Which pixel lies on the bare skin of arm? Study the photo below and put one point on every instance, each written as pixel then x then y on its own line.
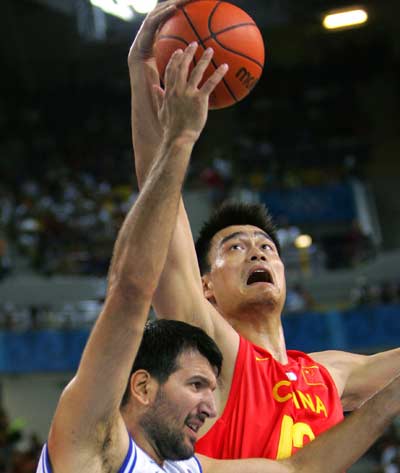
pixel 357 377
pixel 88 432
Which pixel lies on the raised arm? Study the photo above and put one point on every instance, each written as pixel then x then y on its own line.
pixel 87 419
pixel 357 377
pixel 181 279
pixel 179 294
pixel 332 452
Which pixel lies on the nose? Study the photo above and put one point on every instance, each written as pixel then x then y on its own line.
pixel 208 406
pixel 257 255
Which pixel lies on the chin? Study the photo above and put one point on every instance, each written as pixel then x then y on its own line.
pixel 262 301
pixel 185 452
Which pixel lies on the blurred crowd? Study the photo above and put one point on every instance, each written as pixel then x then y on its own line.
pixel 19 452
pixel 67 174
pixel 384 456
pixel 371 294
pixel 64 224
pixel 65 316
pixel 66 184
pixel 298 300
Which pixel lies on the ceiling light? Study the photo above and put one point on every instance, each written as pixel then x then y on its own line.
pixel 345 18
pixel 119 8
pixel 303 241
pixel 143 6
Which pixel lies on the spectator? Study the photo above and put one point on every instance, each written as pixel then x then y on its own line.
pixel 298 299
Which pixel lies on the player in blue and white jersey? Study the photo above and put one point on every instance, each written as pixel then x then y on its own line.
pixel 141 393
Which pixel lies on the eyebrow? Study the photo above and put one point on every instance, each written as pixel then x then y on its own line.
pixel 243 234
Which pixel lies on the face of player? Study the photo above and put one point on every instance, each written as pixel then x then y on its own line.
pixel 246 271
pixel 181 406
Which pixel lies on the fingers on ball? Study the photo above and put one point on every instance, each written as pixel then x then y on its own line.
pixel 200 68
pixel 172 67
pixel 215 78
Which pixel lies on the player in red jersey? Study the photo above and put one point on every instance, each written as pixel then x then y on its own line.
pixel 272 409
pixel 271 401
pixel 279 400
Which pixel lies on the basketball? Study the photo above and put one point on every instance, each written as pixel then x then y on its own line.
pixel 232 34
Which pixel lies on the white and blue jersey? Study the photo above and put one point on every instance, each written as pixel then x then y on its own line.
pixel 136 461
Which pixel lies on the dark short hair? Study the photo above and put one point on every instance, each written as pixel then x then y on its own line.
pixel 162 343
pixel 228 214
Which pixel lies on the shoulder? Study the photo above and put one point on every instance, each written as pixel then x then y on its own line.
pixel 338 360
pixel 340 365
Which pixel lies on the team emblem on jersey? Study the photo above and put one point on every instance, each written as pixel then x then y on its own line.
pixel 312 376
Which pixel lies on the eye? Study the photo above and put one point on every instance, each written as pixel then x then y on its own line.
pixel 267 246
pixel 235 247
pixel 196 385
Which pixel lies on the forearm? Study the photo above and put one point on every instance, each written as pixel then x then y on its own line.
pixel 338 448
pixel 371 375
pixel 139 255
pixel 141 248
pixel 146 131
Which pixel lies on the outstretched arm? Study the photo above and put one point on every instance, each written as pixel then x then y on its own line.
pixel 357 377
pixel 179 294
pixel 181 279
pixel 88 418
pixel 333 451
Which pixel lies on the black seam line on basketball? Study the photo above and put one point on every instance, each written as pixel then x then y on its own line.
pixel 203 46
pixel 214 35
pixel 223 46
pixel 170 36
pixel 238 54
pixel 229 28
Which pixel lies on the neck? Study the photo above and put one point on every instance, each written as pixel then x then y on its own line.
pixel 262 327
pixel 140 437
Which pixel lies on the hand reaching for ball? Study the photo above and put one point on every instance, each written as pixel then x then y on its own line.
pixel 142 47
pixel 229 30
pixel 143 75
pixel 234 37
pixel 183 105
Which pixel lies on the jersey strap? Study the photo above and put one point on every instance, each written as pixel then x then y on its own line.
pixel 44 461
pixel 130 460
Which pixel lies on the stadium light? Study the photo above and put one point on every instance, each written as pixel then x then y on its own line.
pixel 143 6
pixel 119 8
pixel 303 241
pixel 345 18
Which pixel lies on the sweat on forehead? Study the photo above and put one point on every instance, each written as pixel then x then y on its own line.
pixel 231 214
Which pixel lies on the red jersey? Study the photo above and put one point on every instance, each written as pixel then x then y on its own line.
pixel 272 409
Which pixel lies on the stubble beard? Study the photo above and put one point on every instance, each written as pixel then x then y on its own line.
pixel 161 431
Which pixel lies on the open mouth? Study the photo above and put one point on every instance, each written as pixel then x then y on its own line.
pixel 194 427
pixel 259 275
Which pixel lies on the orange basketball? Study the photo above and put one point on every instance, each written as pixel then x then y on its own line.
pixel 232 34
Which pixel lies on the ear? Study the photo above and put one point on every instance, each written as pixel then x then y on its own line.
pixel 208 288
pixel 143 387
